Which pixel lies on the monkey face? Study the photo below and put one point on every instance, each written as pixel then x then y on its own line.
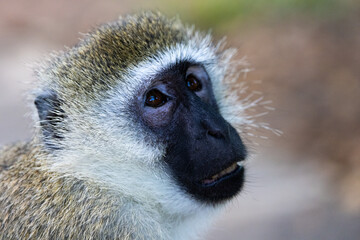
pixel 203 151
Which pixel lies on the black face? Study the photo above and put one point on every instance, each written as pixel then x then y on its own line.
pixel 203 149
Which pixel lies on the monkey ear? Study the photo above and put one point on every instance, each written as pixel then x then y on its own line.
pixel 51 118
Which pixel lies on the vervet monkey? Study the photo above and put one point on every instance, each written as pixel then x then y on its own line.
pixel 133 138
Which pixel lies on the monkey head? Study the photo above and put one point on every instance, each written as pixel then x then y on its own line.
pixel 139 106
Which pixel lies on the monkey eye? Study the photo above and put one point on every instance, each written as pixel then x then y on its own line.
pixel 193 83
pixel 155 98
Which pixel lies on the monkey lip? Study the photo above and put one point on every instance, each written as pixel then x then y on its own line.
pixel 228 172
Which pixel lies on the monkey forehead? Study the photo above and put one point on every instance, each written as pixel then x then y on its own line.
pixel 99 60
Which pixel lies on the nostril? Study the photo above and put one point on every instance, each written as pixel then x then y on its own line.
pixel 215 133
pixel 212 130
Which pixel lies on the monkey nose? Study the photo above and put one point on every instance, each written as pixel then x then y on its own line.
pixel 212 129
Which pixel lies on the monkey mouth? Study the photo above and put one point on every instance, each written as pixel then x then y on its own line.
pixel 226 173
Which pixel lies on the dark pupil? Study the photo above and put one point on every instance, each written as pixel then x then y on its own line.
pixel 193 84
pixel 155 98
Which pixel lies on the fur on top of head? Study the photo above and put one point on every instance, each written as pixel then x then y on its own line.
pixel 100 60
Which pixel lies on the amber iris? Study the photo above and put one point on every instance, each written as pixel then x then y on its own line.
pixel 155 98
pixel 193 83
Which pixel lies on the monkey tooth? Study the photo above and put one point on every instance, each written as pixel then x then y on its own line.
pixel 224 172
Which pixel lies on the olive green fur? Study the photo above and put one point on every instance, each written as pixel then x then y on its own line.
pixel 98 62
pixel 38 204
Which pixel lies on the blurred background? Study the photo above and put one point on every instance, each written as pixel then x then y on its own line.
pixel 304 184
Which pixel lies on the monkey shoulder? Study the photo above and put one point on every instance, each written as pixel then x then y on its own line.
pixel 39 204
pixel 11 154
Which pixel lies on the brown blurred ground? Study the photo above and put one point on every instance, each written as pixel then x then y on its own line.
pixel 302 185
pixel 311 70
